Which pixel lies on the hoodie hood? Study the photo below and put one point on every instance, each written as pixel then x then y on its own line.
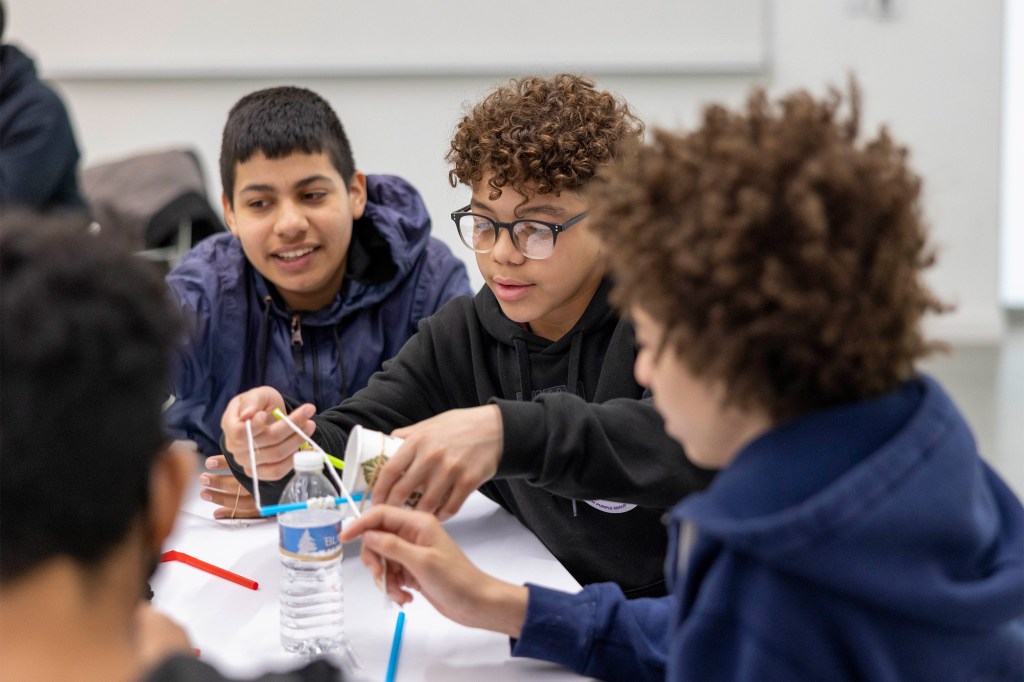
pixel 506 332
pixel 904 517
pixel 598 313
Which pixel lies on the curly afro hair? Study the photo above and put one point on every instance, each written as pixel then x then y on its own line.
pixel 544 135
pixel 781 256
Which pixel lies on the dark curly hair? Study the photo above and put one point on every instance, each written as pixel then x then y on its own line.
pixel 782 257
pixel 552 134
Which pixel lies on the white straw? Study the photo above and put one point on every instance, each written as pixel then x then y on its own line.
pixel 283 417
pixel 252 463
pixel 334 474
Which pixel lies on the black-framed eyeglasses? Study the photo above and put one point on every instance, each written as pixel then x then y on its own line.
pixel 533 238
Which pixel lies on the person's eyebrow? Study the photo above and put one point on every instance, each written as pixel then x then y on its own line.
pixel 545 209
pixel 257 187
pixel 312 179
pixel 304 182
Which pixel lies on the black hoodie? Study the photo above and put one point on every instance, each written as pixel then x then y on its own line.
pixel 38 154
pixel 587 431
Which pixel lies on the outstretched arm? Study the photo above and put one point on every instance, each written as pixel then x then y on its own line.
pixel 421 556
pixel 595 632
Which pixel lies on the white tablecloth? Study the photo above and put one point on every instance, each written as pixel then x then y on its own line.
pixel 237 629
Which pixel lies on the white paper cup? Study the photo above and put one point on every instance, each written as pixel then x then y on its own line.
pixel 364 447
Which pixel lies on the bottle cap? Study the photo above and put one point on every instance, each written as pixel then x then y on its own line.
pixel 308 460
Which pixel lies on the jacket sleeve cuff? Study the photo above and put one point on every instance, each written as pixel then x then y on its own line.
pixel 524 427
pixel 270 491
pixel 558 627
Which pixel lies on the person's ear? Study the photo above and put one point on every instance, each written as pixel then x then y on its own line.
pixel 229 214
pixel 357 194
pixel 172 473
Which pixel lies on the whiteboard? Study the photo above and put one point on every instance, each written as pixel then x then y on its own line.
pixel 259 38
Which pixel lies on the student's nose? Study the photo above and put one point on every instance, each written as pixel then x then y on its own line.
pixel 505 251
pixel 290 220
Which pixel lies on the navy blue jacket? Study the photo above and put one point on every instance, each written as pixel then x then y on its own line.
pixel 38 153
pixel 865 542
pixel 244 336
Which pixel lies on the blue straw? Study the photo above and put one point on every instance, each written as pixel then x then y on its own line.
pixel 396 647
pixel 272 509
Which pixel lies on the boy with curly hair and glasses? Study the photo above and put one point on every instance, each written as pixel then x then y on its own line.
pixel 527 390
pixel 772 265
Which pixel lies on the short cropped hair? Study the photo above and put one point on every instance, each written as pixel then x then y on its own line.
pixel 550 134
pixel 782 256
pixel 86 331
pixel 278 122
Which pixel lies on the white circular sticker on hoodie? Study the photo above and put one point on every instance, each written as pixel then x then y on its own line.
pixel 611 507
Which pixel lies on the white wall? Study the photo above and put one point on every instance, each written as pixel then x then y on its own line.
pixel 933 73
pixel 1012 247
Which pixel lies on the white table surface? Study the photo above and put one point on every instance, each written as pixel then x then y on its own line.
pixel 237 629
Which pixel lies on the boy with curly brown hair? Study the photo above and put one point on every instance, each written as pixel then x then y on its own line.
pixel 772 265
pixel 526 390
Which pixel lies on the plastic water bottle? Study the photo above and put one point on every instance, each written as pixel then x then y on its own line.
pixel 312 600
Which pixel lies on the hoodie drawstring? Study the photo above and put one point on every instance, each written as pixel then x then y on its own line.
pixel 572 382
pixel 318 399
pixel 525 383
pixel 341 363
pixel 264 340
pixel 575 351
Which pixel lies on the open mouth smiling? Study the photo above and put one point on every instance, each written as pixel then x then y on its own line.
pixel 295 254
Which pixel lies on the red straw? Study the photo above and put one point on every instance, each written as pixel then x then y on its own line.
pixel 173 555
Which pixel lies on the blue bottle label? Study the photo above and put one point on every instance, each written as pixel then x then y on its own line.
pixel 317 543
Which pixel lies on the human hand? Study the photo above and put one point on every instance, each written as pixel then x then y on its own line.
pixel 421 556
pixel 223 489
pixel 275 442
pixel 445 457
pixel 157 636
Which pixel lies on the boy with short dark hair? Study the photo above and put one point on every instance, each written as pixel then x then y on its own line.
pixel 324 275
pixel 773 267
pixel 86 333
pixel 526 390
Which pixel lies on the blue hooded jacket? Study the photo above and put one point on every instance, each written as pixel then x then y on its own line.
pixel 244 336
pixel 864 542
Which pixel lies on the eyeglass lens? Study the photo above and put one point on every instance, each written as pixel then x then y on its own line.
pixel 531 239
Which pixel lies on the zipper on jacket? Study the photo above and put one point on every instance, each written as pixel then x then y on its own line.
pixel 296 331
